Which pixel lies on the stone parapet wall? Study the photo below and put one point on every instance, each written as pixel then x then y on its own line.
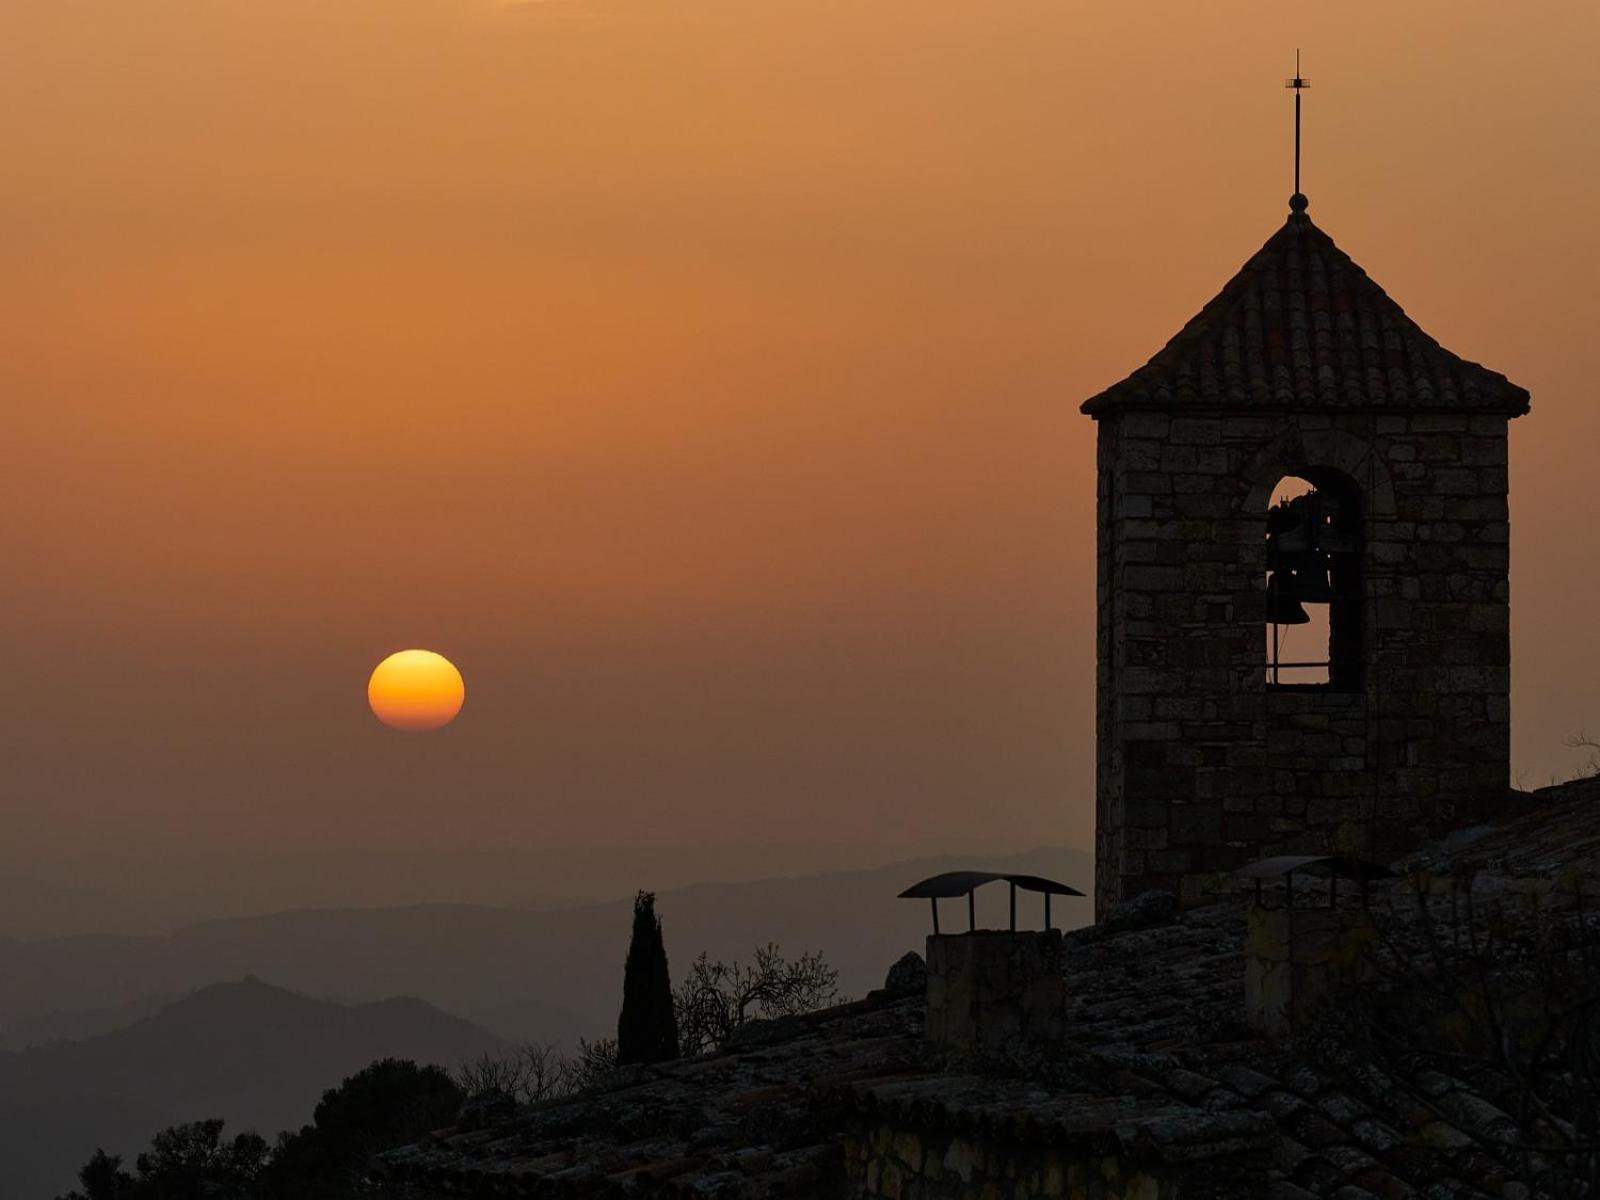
pixel 1202 765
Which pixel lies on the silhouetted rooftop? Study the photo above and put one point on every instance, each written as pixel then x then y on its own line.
pixel 1159 1067
pixel 1302 326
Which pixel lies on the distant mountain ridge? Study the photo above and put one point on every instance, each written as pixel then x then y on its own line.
pixel 258 1055
pixel 73 1025
pixel 156 887
pixel 553 974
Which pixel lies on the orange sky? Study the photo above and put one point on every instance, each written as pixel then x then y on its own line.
pixel 700 376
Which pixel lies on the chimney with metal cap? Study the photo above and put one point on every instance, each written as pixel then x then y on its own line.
pixel 993 994
pixel 1303 952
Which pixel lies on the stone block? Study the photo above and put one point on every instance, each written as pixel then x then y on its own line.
pixel 1168 862
pixel 1152 579
pixel 1151 731
pixel 1140 454
pixel 1481 508
pixel 1246 828
pixel 1145 424
pixel 1441 423
pixel 1179 458
pixel 1190 431
pixel 1205 577
pixel 1456 481
pixel 1152 680
pixel 1147 814
pixel 1136 838
pixel 1213 506
pixel 1144 529
pixel 1161 783
pixel 1195 823
pixel 1484 451
pixel 1149 483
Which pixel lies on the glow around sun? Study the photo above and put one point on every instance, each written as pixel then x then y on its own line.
pixel 416 690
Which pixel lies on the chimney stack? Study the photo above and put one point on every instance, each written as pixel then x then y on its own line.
pixel 1300 957
pixel 1298 960
pixel 992 993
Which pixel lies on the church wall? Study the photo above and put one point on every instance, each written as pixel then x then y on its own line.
pixel 1202 766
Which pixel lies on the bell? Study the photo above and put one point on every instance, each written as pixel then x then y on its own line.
pixel 1287 592
pixel 1285 610
pixel 1283 517
pixel 1290 541
pixel 1305 583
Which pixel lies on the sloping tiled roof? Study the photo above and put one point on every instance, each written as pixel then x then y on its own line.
pixel 1159 1066
pixel 743 1122
pixel 1301 326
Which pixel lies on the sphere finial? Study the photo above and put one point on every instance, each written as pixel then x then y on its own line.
pixel 1298 203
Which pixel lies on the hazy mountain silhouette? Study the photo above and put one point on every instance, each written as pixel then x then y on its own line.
pixel 252 1053
pixel 73 1025
pixel 153 886
pixel 549 974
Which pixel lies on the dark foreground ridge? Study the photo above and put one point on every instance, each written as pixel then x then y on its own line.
pixel 1159 1087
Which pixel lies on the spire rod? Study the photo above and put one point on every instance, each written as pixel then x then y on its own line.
pixel 1298 84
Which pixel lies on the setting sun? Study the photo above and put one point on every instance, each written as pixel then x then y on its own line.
pixel 416 690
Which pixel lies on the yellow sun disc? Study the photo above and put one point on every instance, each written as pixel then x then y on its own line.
pixel 416 690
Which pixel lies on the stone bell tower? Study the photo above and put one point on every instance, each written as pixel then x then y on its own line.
pixel 1303 580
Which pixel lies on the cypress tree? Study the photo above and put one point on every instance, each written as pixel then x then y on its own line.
pixel 647 1030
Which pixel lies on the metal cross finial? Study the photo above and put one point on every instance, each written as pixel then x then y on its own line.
pixel 1298 85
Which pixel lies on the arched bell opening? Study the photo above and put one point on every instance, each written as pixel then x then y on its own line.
pixel 1313 610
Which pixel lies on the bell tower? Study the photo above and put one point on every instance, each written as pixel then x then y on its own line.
pixel 1303 595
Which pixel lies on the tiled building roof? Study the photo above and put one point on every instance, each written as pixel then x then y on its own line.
pixel 744 1122
pixel 1158 1069
pixel 1301 326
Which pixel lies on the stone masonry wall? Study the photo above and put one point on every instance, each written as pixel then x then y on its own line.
pixel 902 1164
pixel 1201 765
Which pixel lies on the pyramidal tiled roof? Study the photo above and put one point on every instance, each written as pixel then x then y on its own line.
pixel 1301 326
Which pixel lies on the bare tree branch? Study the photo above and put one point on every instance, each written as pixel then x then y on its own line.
pixel 717 997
